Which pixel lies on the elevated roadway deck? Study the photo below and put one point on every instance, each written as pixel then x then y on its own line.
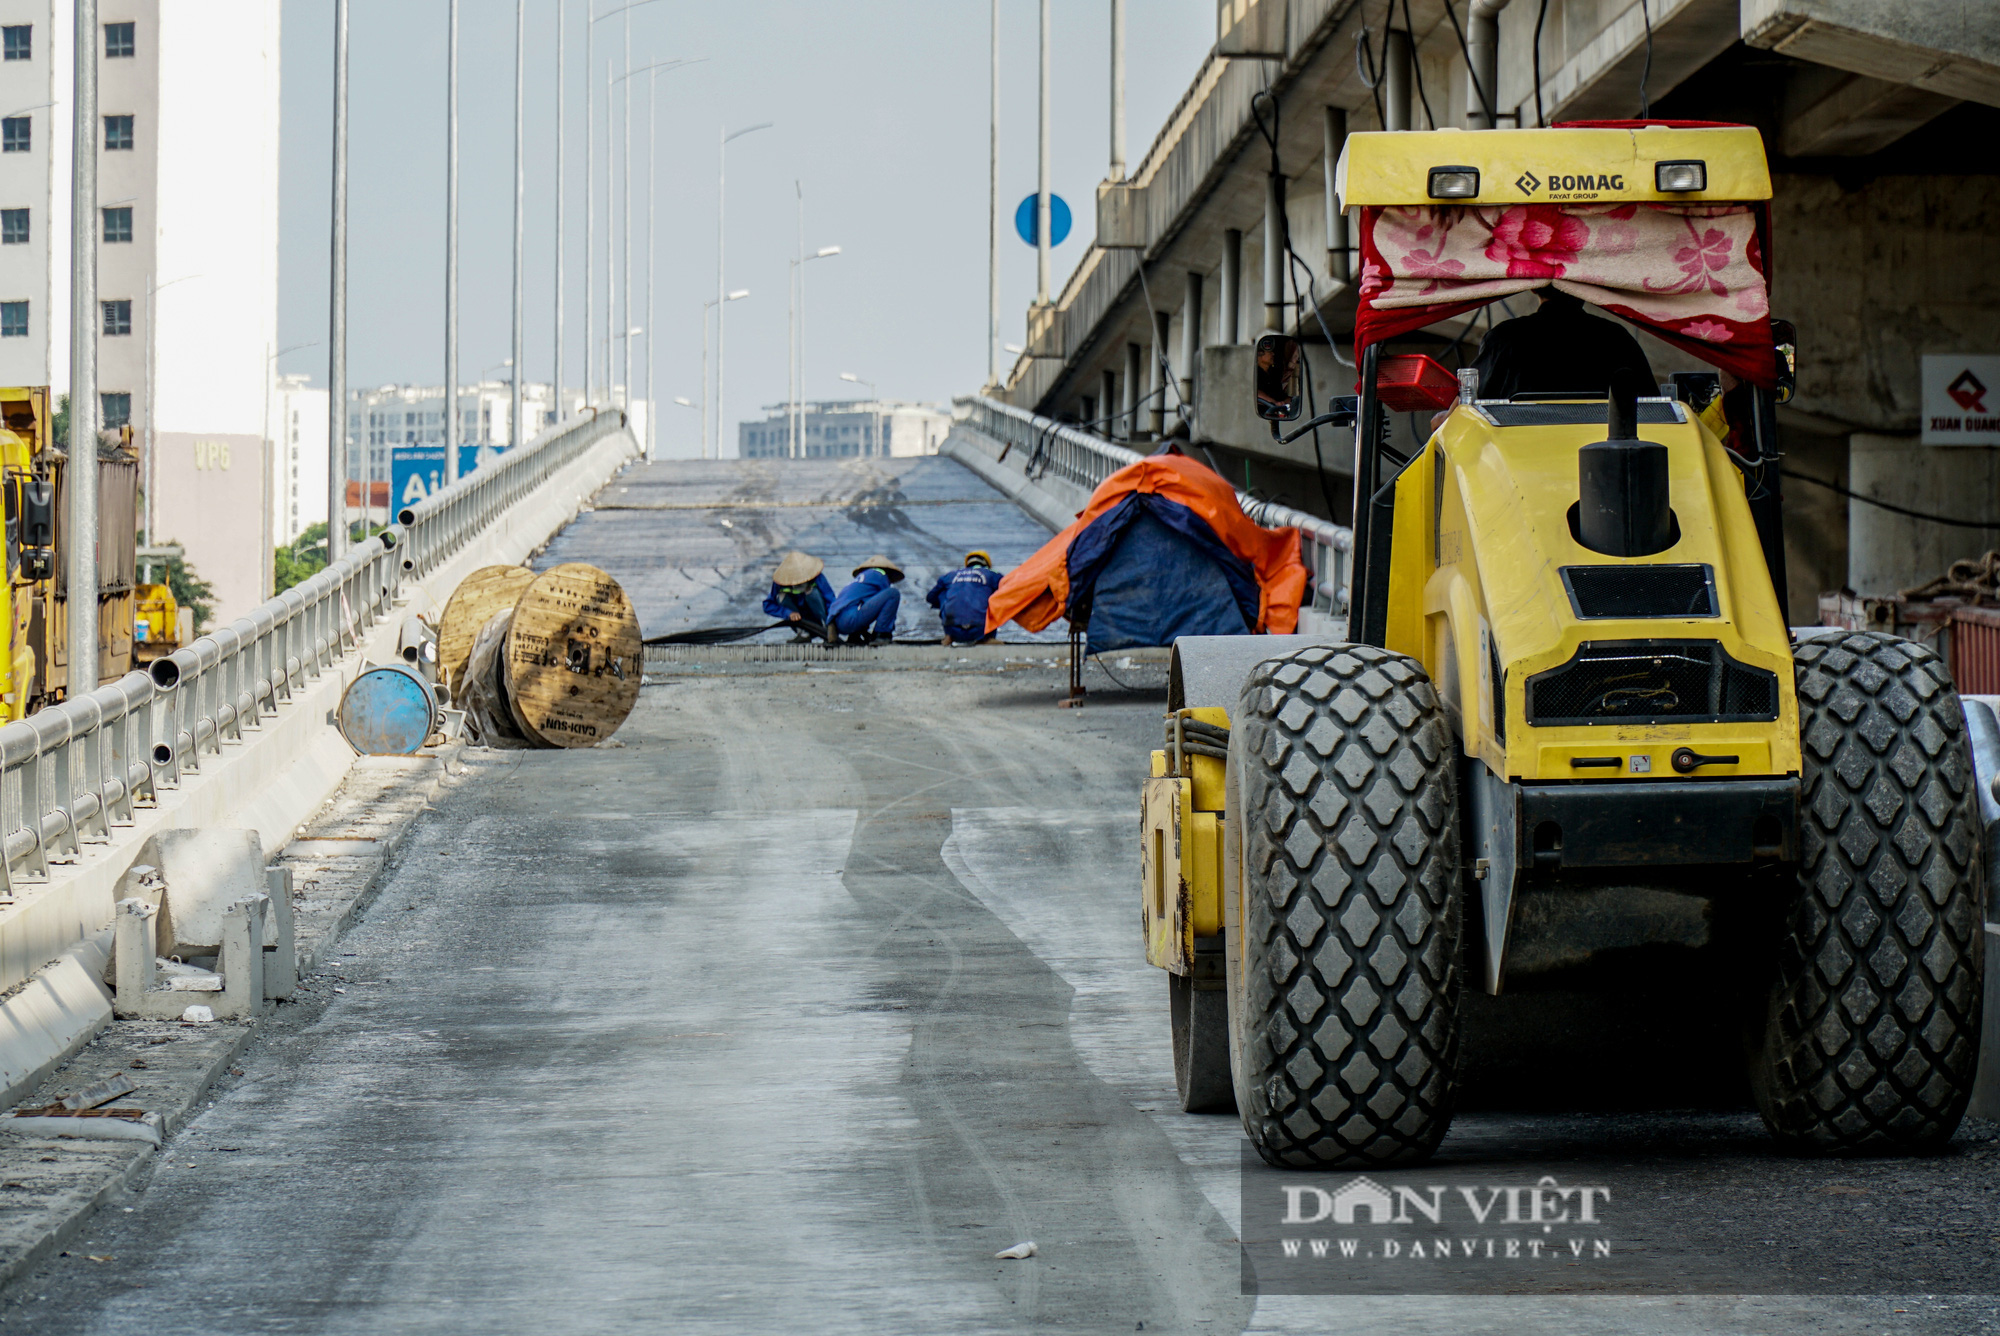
pixel 694 541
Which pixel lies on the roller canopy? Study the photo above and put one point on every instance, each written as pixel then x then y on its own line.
pixel 1576 209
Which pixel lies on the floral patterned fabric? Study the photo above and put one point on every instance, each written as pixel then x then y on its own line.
pixel 1693 275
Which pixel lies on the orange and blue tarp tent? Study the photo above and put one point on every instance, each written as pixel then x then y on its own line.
pixel 1162 550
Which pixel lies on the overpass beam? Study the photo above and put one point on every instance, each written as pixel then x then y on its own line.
pixel 1135 360
pixel 1396 82
pixel 1162 327
pixel 1229 302
pixel 1335 136
pixel 1274 252
pixel 1482 67
pixel 1190 335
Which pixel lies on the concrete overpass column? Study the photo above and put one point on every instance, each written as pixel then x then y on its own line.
pixel 1162 340
pixel 1274 252
pixel 1336 221
pixel 1482 66
pixel 1230 304
pixel 1135 360
pixel 1396 83
pixel 1190 335
pixel 1108 403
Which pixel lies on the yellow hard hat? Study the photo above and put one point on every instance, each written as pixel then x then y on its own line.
pixel 983 558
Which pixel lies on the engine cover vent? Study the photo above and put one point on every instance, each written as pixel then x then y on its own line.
pixel 1641 591
pixel 1651 682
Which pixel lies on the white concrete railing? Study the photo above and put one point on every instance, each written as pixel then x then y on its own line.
pixel 70 772
pixel 1049 448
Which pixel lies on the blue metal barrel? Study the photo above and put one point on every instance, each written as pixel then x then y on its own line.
pixel 387 711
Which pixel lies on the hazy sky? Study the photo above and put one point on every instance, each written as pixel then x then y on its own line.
pixel 880 112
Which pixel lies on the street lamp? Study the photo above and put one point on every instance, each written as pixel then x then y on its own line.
pixel 875 400
pixel 652 136
pixel 590 183
pixel 713 304
pixel 721 156
pixel 795 408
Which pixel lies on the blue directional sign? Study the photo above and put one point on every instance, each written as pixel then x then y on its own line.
pixel 415 471
pixel 1024 220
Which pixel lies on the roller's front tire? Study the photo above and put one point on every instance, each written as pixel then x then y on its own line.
pixel 1344 772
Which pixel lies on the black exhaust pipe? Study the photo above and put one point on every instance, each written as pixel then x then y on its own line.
pixel 1622 502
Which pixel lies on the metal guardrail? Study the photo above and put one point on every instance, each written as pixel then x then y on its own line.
pixel 70 772
pixel 1051 448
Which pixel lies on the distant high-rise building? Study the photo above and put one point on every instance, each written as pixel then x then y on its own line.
pixel 397 433
pixel 187 254
pixel 298 478
pixel 848 429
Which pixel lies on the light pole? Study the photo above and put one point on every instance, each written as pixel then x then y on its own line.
pixel 520 209
pixel 652 73
pixel 336 354
pixel 993 215
pixel 713 304
pixel 689 403
pixel 875 409
pixel 1042 240
pixel 795 409
pixel 721 157
pixel 562 22
pixel 590 184
pixel 450 246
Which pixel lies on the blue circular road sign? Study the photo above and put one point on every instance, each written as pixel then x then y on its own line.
pixel 1024 220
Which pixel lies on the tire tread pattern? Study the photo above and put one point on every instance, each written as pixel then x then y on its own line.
pixel 1871 1039
pixel 1352 910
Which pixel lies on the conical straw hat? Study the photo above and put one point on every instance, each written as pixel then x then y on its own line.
pixel 889 567
pixel 798 568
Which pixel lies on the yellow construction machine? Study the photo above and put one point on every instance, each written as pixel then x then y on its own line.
pixel 36 655
pixel 1567 672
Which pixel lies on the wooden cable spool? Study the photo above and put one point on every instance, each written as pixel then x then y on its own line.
pixel 572 662
pixel 480 596
pixel 480 692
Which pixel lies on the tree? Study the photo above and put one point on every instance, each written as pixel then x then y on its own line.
pixel 190 590
pixel 300 559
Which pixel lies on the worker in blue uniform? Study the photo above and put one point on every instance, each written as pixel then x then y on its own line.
pixel 960 597
pixel 800 595
pixel 865 611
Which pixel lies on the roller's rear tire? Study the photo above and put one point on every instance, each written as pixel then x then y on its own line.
pixel 1350 975
pixel 1201 1045
pixel 1870 1034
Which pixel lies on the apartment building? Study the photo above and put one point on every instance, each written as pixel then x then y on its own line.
pixel 187 254
pixel 847 429
pixel 396 434
pixel 298 474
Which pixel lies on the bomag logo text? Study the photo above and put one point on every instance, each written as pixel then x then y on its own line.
pixel 1586 183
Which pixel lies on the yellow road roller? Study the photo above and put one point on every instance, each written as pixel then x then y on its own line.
pixel 1567 671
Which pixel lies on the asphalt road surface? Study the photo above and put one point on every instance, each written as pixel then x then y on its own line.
pixel 694 542
pixel 788 1014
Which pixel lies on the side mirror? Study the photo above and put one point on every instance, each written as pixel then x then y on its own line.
pixel 1280 370
pixel 38 513
pixel 1785 338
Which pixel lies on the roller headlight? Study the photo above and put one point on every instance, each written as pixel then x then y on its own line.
pixel 1678 178
pixel 1454 182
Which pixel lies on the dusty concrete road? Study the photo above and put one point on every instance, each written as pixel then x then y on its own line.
pixel 785 1016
